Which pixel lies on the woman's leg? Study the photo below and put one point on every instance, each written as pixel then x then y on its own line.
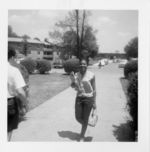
pixel 86 113
pixel 79 111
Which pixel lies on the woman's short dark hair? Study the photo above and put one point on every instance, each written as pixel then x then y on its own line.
pixel 11 52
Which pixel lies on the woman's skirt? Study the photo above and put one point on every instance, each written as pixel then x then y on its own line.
pixel 83 107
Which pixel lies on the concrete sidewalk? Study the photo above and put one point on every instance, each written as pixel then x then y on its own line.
pixel 54 120
pixel 49 120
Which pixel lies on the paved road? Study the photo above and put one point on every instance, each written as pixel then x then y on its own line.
pixel 54 120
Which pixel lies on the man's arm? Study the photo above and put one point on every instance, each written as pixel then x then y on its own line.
pixel 20 84
pixel 22 95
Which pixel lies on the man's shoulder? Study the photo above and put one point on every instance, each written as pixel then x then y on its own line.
pixel 13 69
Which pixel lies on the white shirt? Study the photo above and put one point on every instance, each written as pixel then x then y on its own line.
pixel 15 81
pixel 87 77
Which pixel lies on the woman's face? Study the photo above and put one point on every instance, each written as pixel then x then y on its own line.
pixel 83 66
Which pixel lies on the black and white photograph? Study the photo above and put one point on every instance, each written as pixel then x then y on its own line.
pixel 72 75
pixel 75 76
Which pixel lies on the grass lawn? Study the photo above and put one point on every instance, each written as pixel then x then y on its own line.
pixel 44 87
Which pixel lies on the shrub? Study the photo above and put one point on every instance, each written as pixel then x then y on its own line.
pixel 71 65
pixel 130 68
pixel 133 100
pixel 131 49
pixel 29 64
pixel 43 66
pixel 24 73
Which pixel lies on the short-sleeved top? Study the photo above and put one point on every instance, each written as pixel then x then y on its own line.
pixel 87 78
pixel 14 81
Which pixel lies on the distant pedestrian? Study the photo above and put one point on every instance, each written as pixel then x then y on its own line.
pixel 15 84
pixel 86 96
pixel 99 65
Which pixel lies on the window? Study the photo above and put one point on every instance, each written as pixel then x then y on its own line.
pixel 48 53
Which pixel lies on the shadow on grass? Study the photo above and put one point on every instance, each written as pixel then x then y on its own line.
pixel 66 74
pixel 73 136
pixel 124 132
pixel 22 119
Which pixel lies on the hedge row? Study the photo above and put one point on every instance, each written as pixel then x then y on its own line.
pixel 31 65
pixel 130 67
pixel 43 66
pixel 133 100
pixel 131 73
pixel 71 65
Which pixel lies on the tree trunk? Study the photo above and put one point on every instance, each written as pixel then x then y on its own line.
pixel 77 28
pixel 82 31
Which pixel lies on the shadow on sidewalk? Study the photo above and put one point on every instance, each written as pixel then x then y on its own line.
pixel 73 136
pixel 124 133
pixel 124 83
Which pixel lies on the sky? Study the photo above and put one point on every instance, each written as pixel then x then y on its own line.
pixel 115 28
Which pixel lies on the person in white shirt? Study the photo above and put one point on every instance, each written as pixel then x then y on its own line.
pixel 85 101
pixel 15 83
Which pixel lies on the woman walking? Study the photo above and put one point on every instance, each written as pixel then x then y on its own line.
pixel 86 96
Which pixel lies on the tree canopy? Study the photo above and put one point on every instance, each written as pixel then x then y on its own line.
pixel 36 38
pixel 26 37
pixel 77 35
pixel 11 33
pixel 131 49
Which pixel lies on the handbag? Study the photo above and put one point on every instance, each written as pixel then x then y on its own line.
pixel 93 118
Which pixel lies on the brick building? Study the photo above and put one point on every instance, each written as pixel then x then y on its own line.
pixel 36 49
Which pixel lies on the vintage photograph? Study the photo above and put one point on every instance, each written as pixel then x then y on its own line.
pixel 72 75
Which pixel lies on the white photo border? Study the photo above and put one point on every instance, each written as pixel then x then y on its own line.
pixel 143 7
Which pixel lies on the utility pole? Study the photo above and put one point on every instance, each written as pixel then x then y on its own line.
pixel 77 28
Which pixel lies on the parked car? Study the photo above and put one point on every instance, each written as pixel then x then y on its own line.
pixel 122 63
pixel 58 64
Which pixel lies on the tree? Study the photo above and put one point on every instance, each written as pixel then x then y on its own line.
pixel 25 44
pixel 78 34
pixel 69 43
pixel 36 38
pixel 11 33
pixel 55 35
pixel 89 42
pixel 26 37
pixel 131 49
pixel 46 40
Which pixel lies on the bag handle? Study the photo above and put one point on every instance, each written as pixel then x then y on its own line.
pixel 94 111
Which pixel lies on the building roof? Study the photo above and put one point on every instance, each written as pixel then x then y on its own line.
pixel 55 41
pixel 51 41
pixel 14 39
pixel 34 41
pixel 46 43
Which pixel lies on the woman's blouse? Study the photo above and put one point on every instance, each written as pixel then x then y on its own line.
pixel 86 81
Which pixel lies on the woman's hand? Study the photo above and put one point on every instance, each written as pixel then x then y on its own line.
pixel 73 85
pixel 83 94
